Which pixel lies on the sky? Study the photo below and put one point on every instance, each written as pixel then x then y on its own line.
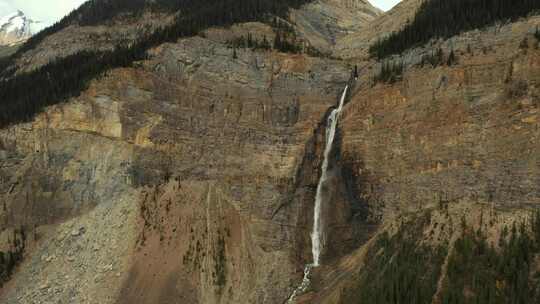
pixel 382 4
pixel 50 11
pixel 46 11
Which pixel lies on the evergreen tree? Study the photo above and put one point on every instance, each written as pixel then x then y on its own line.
pixel 451 59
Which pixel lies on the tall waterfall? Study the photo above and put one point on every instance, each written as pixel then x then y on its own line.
pixel 317 235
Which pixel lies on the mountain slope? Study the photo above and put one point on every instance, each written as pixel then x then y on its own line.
pixel 211 157
pixel 356 44
pixel 324 22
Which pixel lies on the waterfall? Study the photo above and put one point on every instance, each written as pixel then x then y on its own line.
pixel 317 234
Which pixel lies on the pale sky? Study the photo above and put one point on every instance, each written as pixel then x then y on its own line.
pixel 382 4
pixel 49 11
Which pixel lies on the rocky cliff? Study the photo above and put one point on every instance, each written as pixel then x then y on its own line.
pixel 459 142
pixel 190 177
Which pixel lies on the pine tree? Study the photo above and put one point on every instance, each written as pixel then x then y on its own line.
pixel 451 59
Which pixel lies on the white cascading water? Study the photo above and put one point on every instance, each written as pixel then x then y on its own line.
pixel 317 235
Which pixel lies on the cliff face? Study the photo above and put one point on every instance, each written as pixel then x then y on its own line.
pixel 207 162
pixel 474 123
pixel 459 142
pixel 190 178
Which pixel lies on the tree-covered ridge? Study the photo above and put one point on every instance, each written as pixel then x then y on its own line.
pixel 444 19
pixel 67 77
pixel 403 268
pixel 400 269
pixel 481 273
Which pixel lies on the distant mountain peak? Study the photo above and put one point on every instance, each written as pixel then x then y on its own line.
pixel 15 28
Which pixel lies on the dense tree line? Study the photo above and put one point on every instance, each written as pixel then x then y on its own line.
pixel 482 274
pixel 67 77
pixel 404 269
pixel 392 70
pixel 285 40
pixel 249 42
pixel 400 269
pixel 443 19
pixel 27 94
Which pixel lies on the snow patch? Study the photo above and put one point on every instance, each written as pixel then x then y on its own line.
pixel 15 28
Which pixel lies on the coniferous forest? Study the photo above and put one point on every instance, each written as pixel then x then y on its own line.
pixel 399 269
pixel 501 274
pixel 67 77
pixel 444 19
pixel 403 269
